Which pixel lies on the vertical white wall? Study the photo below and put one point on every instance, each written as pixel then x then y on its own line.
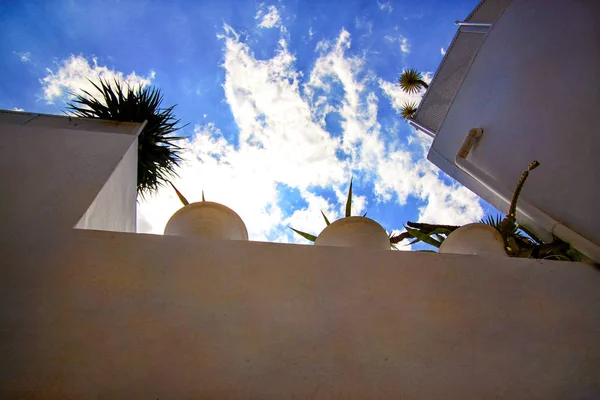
pixel 114 208
pixel 534 89
pixel 53 168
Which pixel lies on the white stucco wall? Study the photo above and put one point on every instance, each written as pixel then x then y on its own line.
pixel 110 315
pixel 114 208
pixel 115 315
pixel 51 161
pixel 533 88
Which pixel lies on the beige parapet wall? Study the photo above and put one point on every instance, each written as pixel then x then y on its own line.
pixel 89 314
pixel 104 315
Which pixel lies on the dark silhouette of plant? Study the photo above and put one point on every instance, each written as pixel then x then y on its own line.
pixel 411 81
pixel 408 110
pixel 158 153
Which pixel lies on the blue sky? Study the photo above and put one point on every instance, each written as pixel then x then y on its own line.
pixel 285 100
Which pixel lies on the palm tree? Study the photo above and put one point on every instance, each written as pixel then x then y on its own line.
pixel 408 110
pixel 158 154
pixel 411 81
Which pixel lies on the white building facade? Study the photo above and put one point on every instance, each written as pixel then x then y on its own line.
pixel 526 73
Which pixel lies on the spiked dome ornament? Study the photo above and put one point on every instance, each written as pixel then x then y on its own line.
pixel 205 219
pixel 350 231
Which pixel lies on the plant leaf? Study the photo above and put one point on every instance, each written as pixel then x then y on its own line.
pixel 493 221
pixel 203 199
pixel 349 201
pixel 364 215
pixel 181 197
pixel 305 235
pixel 440 231
pixel 326 220
pixel 423 237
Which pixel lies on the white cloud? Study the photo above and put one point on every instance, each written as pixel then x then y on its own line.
pixel 72 74
pixel 443 51
pixel 283 144
pixel 23 56
pixel 358 107
pixel 269 17
pixel 404 46
pixel 405 174
pixel 275 120
pixel 385 6
pixel 363 24
pixel 17 109
pixel 401 40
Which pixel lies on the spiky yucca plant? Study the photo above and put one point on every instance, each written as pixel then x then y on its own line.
pixel 158 153
pixel 408 110
pixel 411 81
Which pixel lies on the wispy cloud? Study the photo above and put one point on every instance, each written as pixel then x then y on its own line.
pixel 358 108
pixel 385 6
pixel 363 24
pixel 72 74
pixel 404 46
pixel 401 40
pixel 23 56
pixel 405 173
pixel 268 17
pixel 443 51
pixel 17 109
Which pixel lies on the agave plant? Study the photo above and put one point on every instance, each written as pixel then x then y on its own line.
pixel 312 238
pixel 411 81
pixel 158 153
pixel 432 234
